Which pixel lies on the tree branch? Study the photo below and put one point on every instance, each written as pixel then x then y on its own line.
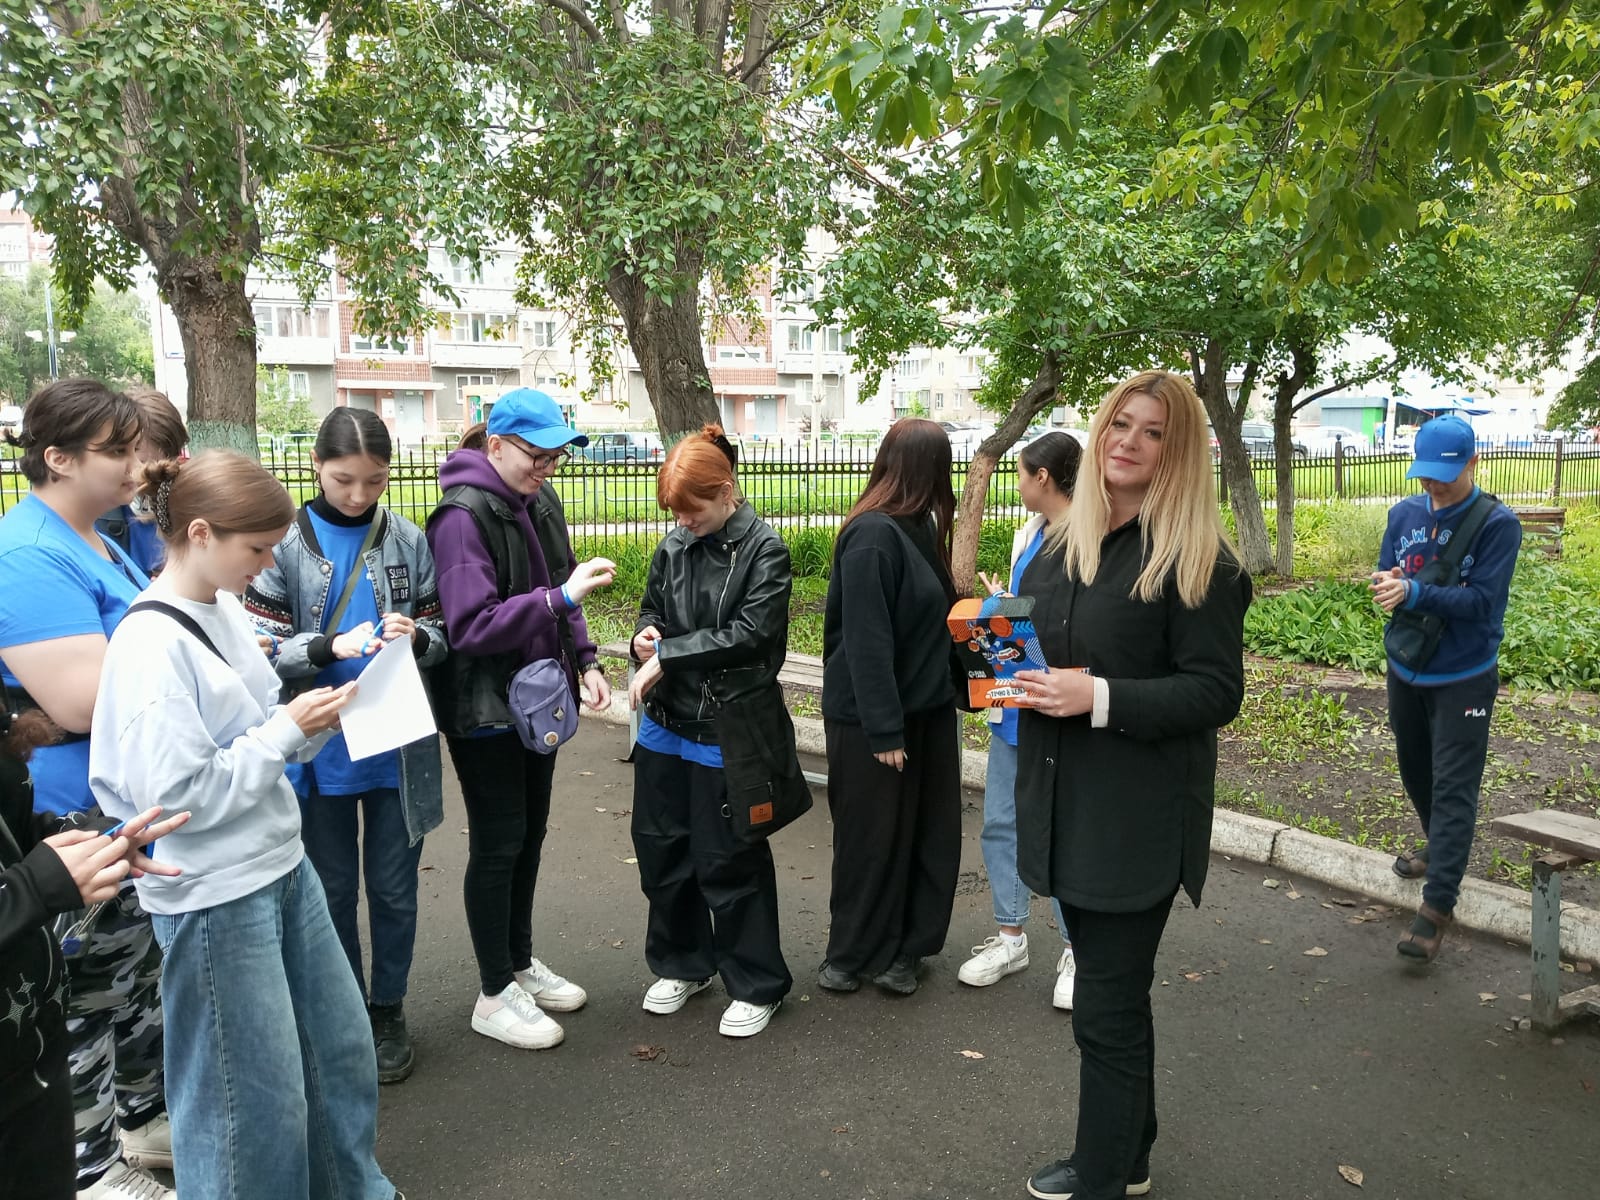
pixel 579 17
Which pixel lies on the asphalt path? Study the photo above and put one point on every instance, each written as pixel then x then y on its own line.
pixel 1276 1067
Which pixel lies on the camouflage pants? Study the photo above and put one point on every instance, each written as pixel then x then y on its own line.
pixel 114 1032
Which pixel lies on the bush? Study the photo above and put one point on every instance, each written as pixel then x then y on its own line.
pixel 810 550
pixel 1333 622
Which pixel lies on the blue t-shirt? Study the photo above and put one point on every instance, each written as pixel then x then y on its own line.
pixel 332 773
pixel 664 741
pixel 145 546
pixel 53 585
pixel 1006 730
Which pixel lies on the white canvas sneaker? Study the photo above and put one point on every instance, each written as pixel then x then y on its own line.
pixel 512 1017
pixel 125 1182
pixel 669 995
pixel 993 961
pixel 1066 979
pixel 553 993
pixel 743 1019
pixel 150 1145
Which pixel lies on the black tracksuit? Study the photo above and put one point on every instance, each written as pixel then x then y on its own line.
pixel 36 1139
pixel 886 685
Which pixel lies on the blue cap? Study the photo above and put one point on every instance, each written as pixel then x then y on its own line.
pixel 1443 447
pixel 535 418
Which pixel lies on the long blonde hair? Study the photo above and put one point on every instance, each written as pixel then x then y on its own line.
pixel 1179 525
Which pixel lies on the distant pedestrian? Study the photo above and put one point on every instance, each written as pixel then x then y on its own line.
pixel 512 596
pixel 349 576
pixel 713 631
pixel 888 708
pixel 1444 576
pixel 1139 603
pixel 1047 471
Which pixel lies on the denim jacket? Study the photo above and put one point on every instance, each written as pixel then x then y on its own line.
pixel 291 596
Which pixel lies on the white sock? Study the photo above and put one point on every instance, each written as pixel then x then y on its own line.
pixel 1012 939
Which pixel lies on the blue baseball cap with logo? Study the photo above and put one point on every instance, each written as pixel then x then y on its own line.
pixel 1444 446
pixel 535 418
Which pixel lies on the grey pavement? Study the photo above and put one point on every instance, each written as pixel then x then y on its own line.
pixel 1275 1068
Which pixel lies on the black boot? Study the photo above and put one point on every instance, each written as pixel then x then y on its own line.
pixel 901 977
pixel 396 1058
pixel 835 980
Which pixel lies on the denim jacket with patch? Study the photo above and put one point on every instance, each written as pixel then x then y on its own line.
pixel 288 601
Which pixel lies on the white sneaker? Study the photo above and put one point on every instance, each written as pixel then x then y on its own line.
pixel 512 1017
pixel 993 961
pixel 125 1182
pixel 551 991
pixel 1066 979
pixel 743 1019
pixel 150 1145
pixel 669 995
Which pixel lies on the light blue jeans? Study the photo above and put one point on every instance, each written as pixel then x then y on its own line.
pixel 1012 897
pixel 272 1083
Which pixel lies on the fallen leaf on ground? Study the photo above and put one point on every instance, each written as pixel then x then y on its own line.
pixel 648 1053
pixel 1263 941
pixel 585 772
pixel 616 945
pixel 1351 1174
pixel 597 808
pixel 1342 902
pixel 630 861
pixel 1487 997
pixel 1193 976
pixel 1315 952
pixel 841 1129
pixel 971 1054
pixel 808 877
pixel 1270 883
pixel 1292 894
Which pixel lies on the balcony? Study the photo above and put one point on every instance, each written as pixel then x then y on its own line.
pixel 494 356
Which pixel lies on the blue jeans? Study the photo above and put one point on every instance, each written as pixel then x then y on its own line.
pixel 1012 898
pixel 272 1087
pixel 342 854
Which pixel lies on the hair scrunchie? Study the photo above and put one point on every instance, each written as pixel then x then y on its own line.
pixel 163 494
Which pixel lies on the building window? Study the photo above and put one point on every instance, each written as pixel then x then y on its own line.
pixel 740 354
pixel 290 320
pixel 833 339
pixel 541 334
pixel 909 367
pixel 474 328
pixel 300 384
pixel 938 399
pixel 367 343
pixel 473 385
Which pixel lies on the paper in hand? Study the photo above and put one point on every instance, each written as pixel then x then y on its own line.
pixel 390 708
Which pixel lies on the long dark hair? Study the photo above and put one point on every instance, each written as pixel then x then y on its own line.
pixel 911 478
pixel 353 431
pixel 1056 453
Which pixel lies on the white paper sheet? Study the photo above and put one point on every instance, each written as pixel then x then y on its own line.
pixel 390 709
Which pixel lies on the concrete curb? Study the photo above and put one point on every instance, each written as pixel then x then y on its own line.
pixel 1487 907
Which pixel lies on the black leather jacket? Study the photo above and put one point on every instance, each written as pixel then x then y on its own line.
pixel 721 604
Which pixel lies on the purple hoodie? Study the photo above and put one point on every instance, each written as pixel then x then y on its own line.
pixel 476 619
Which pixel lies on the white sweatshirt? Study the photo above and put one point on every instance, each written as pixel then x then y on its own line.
pixel 176 726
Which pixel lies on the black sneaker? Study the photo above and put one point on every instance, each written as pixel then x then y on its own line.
pixel 901 977
pixel 396 1058
pixel 1059 1181
pixel 835 980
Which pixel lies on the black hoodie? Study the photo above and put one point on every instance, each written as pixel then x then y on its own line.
pixel 34 887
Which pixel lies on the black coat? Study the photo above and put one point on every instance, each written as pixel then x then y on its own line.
pixel 886 647
pixel 721 604
pixel 34 887
pixel 1116 819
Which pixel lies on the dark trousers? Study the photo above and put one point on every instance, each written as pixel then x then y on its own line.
pixel 1441 738
pixel 896 844
pixel 506 787
pixel 1111 1022
pixel 713 900
pixel 36 1141
pixel 346 838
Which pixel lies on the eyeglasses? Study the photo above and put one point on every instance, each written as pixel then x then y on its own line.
pixel 545 463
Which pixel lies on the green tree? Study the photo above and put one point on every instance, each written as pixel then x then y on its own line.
pixel 278 409
pixel 210 139
pixel 110 341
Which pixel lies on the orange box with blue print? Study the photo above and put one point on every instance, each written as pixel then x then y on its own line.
pixel 994 640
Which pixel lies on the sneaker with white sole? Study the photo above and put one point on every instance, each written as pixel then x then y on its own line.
pixel 743 1019
pixel 669 995
pixel 150 1145
pixel 993 961
pixel 553 993
pixel 1066 980
pixel 126 1182
pixel 512 1017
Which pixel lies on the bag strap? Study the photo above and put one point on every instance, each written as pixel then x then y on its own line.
pixel 331 625
pixel 549 523
pixel 510 554
pixel 182 618
pixel 1466 532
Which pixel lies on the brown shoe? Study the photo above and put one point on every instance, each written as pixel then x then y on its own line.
pixel 1413 864
pixel 1421 942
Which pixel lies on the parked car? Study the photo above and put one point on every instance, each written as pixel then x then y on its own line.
pixel 1322 439
pixel 624 447
pixel 1258 440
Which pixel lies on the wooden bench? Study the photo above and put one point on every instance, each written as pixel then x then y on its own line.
pixel 1542 527
pixel 800 671
pixel 1572 841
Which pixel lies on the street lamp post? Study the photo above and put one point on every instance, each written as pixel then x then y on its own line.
pixel 48 335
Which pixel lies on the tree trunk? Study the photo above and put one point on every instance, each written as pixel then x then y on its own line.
pixel 666 338
pixel 219 344
pixel 1283 445
pixel 1211 378
pixel 1040 394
